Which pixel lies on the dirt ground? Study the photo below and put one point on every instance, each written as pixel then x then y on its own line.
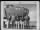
pixel 32 23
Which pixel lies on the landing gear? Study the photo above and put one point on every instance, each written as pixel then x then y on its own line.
pixel 24 22
pixel 27 22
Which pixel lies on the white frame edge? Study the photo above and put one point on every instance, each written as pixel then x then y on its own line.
pixel 2 14
pixel 37 15
pixel 37 3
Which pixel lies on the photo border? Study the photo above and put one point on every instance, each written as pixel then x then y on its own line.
pixel 32 2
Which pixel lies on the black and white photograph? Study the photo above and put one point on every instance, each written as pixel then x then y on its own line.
pixel 20 15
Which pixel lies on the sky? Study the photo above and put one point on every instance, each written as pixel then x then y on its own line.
pixel 32 10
